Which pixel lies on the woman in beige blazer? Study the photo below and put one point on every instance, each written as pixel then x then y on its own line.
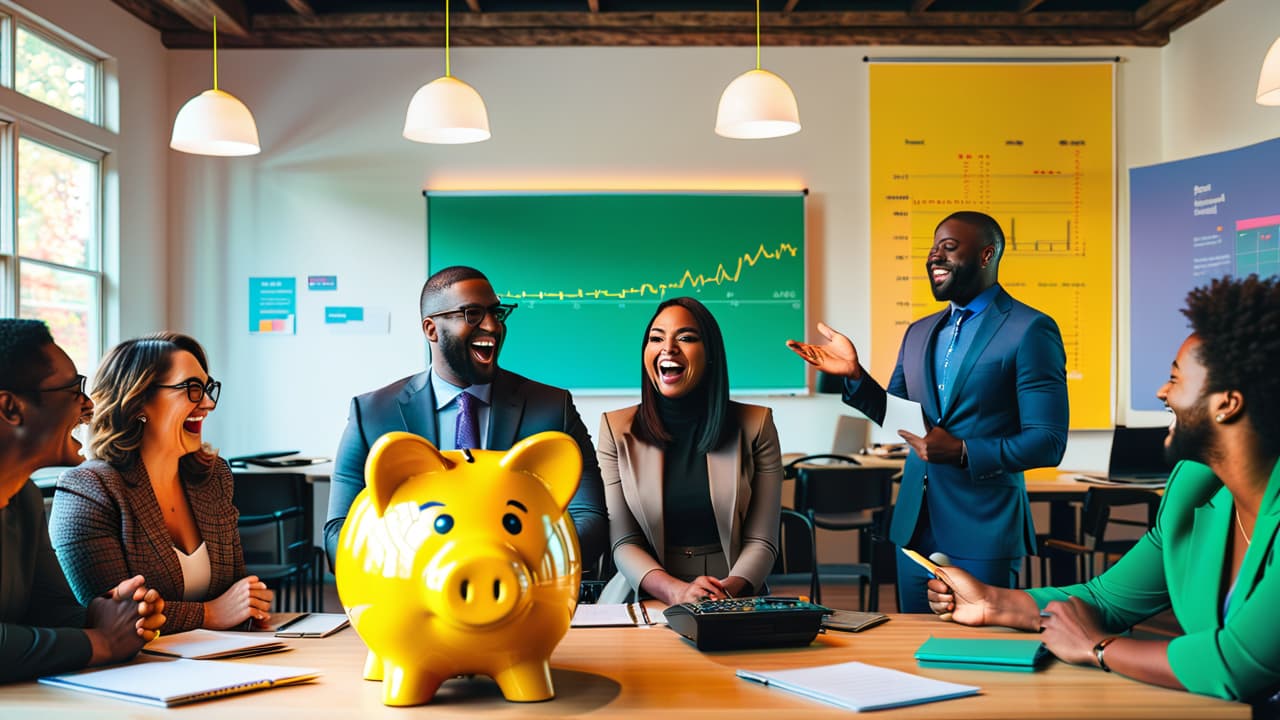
pixel 692 480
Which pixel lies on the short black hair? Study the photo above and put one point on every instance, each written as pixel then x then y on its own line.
pixel 717 427
pixel 442 280
pixel 23 364
pixel 992 234
pixel 1238 323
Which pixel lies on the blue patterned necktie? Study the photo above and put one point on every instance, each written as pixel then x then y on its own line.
pixel 944 382
pixel 467 435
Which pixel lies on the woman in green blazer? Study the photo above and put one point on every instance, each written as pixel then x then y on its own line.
pixel 1211 555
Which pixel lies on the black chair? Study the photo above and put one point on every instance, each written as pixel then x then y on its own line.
pixel 278 538
pixel 797 561
pixel 843 495
pixel 1096 520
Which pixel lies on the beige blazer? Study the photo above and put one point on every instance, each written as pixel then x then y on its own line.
pixel 746 486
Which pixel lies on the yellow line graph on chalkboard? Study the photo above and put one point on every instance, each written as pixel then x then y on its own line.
pixel 687 280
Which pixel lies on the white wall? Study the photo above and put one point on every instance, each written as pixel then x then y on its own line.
pixel 136 169
pixel 338 191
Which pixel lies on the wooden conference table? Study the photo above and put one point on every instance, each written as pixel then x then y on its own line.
pixel 652 672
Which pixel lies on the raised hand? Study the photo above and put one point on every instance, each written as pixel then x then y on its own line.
pixel 247 598
pixel 837 357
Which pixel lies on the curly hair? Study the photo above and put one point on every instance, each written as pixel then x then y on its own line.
pixel 23 364
pixel 1238 323
pixel 124 383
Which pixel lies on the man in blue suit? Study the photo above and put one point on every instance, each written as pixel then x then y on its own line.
pixel 466 401
pixel 990 374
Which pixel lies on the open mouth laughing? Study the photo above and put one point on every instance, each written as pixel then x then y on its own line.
pixel 484 350
pixel 671 371
pixel 194 423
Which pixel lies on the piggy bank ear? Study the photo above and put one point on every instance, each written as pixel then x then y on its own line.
pixel 394 458
pixel 553 458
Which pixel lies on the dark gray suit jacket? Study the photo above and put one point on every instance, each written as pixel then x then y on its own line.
pixel 520 408
pixel 1009 405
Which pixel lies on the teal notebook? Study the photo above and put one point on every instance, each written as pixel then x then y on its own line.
pixel 981 654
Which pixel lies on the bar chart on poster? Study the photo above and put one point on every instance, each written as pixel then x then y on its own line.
pixel 587 271
pixel 1032 146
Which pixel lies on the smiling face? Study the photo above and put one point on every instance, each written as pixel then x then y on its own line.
pixel 462 354
pixel 1191 431
pixel 956 262
pixel 174 423
pixel 674 357
pixel 59 411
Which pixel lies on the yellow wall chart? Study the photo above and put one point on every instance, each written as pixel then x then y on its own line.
pixel 1029 144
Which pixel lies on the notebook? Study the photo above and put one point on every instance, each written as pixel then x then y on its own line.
pixel 610 615
pixel 981 654
pixel 858 686
pixel 852 620
pixel 168 682
pixel 201 644
pixel 313 625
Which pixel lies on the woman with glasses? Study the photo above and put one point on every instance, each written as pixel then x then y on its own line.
pixel 156 499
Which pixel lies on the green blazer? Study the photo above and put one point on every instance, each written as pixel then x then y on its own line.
pixel 1179 563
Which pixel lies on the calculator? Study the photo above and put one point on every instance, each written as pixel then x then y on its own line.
pixel 743 623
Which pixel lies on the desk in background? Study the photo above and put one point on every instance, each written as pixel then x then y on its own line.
pixel 652 672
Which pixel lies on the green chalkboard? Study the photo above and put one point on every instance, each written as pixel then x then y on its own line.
pixel 588 270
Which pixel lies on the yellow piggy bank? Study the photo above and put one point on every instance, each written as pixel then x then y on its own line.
pixel 462 562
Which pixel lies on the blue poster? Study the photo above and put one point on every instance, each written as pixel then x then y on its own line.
pixel 1192 221
pixel 273 305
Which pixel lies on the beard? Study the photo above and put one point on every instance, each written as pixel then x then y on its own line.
pixel 457 355
pixel 1191 439
pixel 962 276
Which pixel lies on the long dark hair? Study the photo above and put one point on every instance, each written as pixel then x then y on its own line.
pixel 717 427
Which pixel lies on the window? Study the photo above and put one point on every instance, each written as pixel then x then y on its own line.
pixel 51 182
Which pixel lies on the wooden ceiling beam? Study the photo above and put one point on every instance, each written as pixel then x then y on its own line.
pixel 1026 6
pixel 462 37
pixel 302 7
pixel 1169 15
pixel 919 6
pixel 233 17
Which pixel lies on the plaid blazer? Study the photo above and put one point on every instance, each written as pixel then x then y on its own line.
pixel 107 526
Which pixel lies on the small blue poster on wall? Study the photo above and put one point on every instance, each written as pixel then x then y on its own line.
pixel 273 305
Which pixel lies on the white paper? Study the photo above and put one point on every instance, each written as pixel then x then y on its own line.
pixel 173 682
pixel 201 644
pixel 858 686
pixel 899 414
pixel 314 625
pixel 608 615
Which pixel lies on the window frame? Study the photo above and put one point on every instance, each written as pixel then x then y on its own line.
pixel 95 98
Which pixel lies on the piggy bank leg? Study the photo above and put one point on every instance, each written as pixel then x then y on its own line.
pixel 372 666
pixel 408 686
pixel 526 681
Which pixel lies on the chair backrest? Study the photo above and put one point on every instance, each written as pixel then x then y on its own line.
pixel 841 488
pixel 797 552
pixel 275 517
pixel 1096 514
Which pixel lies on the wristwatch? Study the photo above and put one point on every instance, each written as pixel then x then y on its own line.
pixel 1100 650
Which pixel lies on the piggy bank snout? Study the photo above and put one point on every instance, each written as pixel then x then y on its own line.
pixel 483 590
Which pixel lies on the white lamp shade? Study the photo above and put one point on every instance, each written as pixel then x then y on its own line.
pixel 215 123
pixel 446 111
pixel 757 104
pixel 1269 78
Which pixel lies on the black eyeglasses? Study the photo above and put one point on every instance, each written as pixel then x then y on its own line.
pixel 76 386
pixel 474 314
pixel 197 390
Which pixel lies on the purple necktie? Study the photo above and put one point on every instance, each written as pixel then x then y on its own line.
pixel 467 434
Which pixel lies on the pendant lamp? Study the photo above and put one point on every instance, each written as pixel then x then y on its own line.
pixel 757 104
pixel 215 122
pixel 446 110
pixel 1269 78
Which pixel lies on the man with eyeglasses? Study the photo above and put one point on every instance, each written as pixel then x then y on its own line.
pixel 43 630
pixel 464 400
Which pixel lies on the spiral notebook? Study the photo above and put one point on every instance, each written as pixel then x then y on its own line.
pixel 166 683
pixel 859 687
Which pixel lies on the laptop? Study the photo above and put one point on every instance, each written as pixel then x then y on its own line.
pixel 1137 455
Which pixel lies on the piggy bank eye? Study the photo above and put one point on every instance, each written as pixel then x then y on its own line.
pixel 512 524
pixel 443 523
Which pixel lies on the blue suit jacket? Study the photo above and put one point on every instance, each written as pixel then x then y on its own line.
pixel 520 408
pixel 1009 405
